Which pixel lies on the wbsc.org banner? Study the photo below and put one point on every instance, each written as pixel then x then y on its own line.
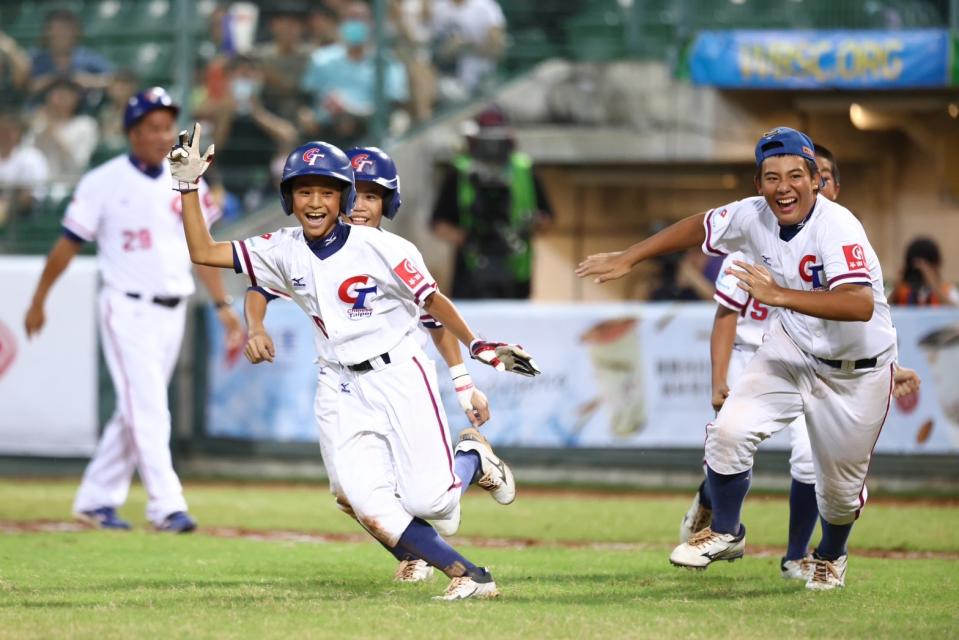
pixel 617 375
pixel 821 59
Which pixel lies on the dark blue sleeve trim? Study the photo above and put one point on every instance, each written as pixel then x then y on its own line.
pixel 236 260
pixel 69 235
pixel 263 292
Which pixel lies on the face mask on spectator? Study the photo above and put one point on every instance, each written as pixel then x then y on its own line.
pixel 243 89
pixel 354 32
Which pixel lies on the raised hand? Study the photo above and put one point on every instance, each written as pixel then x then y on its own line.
pixel 186 163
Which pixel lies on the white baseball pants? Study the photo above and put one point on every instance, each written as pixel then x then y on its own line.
pixel 844 413
pixel 392 457
pixel 141 342
pixel 801 466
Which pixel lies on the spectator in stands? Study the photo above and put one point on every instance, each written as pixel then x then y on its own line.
pixel 469 40
pixel 341 80
pixel 14 71
pixel 122 87
pixel 247 135
pixel 489 207
pixel 921 282
pixel 412 20
pixel 283 60
pixel 61 56
pixel 324 26
pixel 65 137
pixel 23 169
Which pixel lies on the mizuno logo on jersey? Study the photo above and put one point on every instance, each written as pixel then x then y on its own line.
pixel 811 272
pixel 298 282
pixel 408 273
pixel 358 291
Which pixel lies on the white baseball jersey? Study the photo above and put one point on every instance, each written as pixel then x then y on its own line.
pixel 136 222
pixel 830 249
pixel 362 287
pixel 754 316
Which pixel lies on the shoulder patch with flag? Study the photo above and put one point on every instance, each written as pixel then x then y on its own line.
pixel 408 273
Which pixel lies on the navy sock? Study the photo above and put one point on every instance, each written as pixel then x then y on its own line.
pixel 833 543
pixel 727 494
pixel 803 514
pixel 397 552
pixel 704 499
pixel 422 541
pixel 467 467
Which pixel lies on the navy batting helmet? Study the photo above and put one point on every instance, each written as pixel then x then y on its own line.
pixel 318 159
pixel 371 164
pixel 146 101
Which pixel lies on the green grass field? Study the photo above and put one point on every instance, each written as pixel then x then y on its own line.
pixel 568 566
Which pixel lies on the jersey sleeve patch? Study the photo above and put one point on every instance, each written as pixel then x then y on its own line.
pixel 409 274
pixel 855 256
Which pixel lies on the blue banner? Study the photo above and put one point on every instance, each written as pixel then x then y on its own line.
pixel 821 59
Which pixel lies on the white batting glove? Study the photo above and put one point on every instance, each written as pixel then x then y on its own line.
pixel 504 357
pixel 186 163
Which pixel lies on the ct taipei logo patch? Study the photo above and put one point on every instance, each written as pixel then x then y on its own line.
pixel 361 161
pixel 855 256
pixel 357 291
pixel 811 272
pixel 310 155
pixel 408 273
pixel 8 348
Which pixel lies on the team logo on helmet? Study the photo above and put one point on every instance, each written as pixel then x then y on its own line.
pixel 311 154
pixel 361 161
pixel 157 94
pixel 355 291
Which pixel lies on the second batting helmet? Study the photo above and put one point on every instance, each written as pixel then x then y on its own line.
pixel 318 159
pixel 146 101
pixel 371 164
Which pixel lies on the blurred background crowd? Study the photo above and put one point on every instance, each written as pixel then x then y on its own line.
pixel 264 76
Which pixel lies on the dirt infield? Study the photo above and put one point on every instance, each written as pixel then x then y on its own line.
pixel 282 535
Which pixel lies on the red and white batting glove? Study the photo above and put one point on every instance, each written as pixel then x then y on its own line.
pixel 186 163
pixel 504 357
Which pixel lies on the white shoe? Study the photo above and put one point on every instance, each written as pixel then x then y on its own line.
pixel 696 519
pixel 413 571
pixel 497 477
pixel 801 569
pixel 465 587
pixel 448 526
pixel 707 546
pixel 827 574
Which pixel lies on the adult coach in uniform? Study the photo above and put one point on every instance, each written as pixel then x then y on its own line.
pixel 125 206
pixel 830 357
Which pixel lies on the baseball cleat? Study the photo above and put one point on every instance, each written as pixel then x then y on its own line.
pixel 707 546
pixel 827 574
pixel 413 571
pixel 177 522
pixel 103 518
pixel 448 526
pixel 696 519
pixel 497 477
pixel 466 587
pixel 801 569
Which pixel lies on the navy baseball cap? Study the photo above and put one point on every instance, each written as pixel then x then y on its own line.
pixel 783 141
pixel 146 101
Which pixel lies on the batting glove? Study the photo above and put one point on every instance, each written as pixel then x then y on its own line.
pixel 504 357
pixel 463 385
pixel 186 163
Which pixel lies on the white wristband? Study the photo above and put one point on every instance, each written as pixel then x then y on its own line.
pixel 457 371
